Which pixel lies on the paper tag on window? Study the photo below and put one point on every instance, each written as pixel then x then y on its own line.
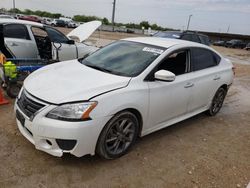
pixel 153 50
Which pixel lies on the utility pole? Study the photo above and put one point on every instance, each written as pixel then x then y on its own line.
pixel 189 19
pixel 228 29
pixel 113 15
pixel 14 4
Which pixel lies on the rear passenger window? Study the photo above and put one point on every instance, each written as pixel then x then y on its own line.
pixel 203 58
pixel 16 31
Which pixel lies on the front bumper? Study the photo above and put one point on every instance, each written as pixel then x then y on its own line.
pixel 44 133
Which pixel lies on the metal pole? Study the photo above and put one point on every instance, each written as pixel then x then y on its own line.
pixel 113 15
pixel 189 19
pixel 14 4
pixel 228 29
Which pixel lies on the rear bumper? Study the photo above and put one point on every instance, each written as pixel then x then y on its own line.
pixel 44 134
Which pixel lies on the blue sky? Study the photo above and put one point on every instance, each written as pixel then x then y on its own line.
pixel 208 15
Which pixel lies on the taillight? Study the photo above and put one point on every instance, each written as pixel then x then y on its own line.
pixel 233 68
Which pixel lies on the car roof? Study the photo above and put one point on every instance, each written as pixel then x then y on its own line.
pixel 14 21
pixel 163 42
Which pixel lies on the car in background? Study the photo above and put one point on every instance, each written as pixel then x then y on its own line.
pixel 219 43
pixel 58 23
pixel 6 16
pixel 47 21
pixel 248 46
pixel 25 39
pixel 72 24
pixel 184 35
pixel 31 18
pixel 101 104
pixel 235 43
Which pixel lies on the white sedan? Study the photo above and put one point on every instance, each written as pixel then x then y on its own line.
pixel 128 89
pixel 31 40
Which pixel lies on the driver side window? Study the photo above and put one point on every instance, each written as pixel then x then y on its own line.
pixel 177 62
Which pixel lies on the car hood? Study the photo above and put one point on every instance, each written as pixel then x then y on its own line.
pixel 71 81
pixel 84 31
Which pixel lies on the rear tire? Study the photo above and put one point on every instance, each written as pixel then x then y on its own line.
pixel 217 102
pixel 118 135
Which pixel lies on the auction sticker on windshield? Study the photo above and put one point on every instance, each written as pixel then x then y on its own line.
pixel 153 50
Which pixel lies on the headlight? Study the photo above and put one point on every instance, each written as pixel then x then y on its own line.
pixel 72 112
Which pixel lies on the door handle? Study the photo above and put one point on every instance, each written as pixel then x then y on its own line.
pixel 13 44
pixel 188 85
pixel 217 78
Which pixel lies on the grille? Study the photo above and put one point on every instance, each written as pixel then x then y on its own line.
pixel 28 106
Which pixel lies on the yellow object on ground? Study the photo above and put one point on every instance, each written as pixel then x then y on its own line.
pixel 10 70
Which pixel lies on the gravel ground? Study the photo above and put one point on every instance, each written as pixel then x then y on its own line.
pixel 199 152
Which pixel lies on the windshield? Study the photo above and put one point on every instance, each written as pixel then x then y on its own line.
pixel 56 36
pixel 123 58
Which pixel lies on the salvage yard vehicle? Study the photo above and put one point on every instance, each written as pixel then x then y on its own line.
pixel 100 104
pixel 235 44
pixel 47 21
pixel 184 35
pixel 2 16
pixel 31 18
pixel 72 24
pixel 219 43
pixel 24 39
pixel 58 23
pixel 248 46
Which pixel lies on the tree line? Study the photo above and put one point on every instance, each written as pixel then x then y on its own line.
pixel 84 18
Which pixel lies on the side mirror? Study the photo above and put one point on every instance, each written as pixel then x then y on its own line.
pixel 71 42
pixel 165 76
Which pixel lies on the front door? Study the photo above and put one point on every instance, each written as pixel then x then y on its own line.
pixel 168 100
pixel 62 50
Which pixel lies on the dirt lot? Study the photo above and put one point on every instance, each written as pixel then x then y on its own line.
pixel 199 152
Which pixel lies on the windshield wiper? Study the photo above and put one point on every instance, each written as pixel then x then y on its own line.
pixel 99 68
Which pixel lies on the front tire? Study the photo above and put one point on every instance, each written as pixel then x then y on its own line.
pixel 13 90
pixel 217 102
pixel 118 135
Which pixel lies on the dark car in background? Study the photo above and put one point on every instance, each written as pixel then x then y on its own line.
pixel 219 43
pixel 248 46
pixel 58 23
pixel 184 35
pixel 235 43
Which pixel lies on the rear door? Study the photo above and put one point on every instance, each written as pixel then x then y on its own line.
pixel 205 78
pixel 19 42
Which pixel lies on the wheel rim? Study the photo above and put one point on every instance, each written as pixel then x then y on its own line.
pixel 218 101
pixel 120 136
